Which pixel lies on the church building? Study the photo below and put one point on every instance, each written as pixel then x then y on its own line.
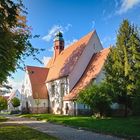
pixel 55 87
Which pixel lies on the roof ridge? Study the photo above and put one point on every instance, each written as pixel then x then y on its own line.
pixel 79 40
pixel 87 43
pixel 36 67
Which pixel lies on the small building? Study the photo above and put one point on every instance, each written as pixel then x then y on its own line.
pixel 55 87
pixel 14 94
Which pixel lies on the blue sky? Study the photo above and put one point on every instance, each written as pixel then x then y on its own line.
pixel 75 18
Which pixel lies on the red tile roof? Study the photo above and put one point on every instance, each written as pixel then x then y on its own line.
pixel 93 69
pixel 37 76
pixel 66 60
pixel 6 97
pixel 12 94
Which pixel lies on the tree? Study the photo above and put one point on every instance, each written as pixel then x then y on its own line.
pixel 3 103
pixel 97 97
pixel 123 64
pixel 15 38
pixel 15 102
pixel 4 89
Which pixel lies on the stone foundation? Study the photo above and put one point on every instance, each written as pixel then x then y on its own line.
pixel 38 110
pixel 74 112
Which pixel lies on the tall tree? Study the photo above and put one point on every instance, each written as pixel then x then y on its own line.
pixel 3 103
pixel 15 37
pixel 123 63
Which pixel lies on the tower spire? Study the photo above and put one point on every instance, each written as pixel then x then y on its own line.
pixel 58 43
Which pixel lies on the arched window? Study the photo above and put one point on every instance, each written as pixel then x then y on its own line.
pixel 62 89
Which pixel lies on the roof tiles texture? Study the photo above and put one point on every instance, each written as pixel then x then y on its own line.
pixel 66 60
pixel 11 95
pixel 37 76
pixel 93 69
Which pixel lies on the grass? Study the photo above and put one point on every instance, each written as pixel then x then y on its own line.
pixel 19 132
pixel 124 127
pixel 3 119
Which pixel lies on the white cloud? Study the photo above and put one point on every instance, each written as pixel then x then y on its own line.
pixel 51 49
pixel 67 27
pixel 54 30
pixel 106 39
pixel 15 84
pixel 45 60
pixel 127 5
pixel 93 24
pixel 70 42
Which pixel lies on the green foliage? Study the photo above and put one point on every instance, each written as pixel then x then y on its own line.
pixel 123 64
pixel 97 97
pixel 3 103
pixel 15 102
pixel 15 38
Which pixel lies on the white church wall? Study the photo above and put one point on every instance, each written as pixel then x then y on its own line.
pixel 92 47
pixel 55 94
pixel 27 97
pixel 26 90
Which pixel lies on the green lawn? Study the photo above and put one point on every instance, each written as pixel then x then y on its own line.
pixel 2 119
pixel 125 127
pixel 19 132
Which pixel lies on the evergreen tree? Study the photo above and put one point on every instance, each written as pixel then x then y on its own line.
pixel 123 64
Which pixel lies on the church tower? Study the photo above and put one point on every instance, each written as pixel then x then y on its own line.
pixel 58 44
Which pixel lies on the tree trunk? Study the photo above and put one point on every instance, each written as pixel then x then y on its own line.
pixel 126 107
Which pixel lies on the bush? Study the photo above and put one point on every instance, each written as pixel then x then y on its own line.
pixel 15 102
pixel 97 97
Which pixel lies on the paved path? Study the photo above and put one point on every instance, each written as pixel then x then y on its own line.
pixel 60 131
